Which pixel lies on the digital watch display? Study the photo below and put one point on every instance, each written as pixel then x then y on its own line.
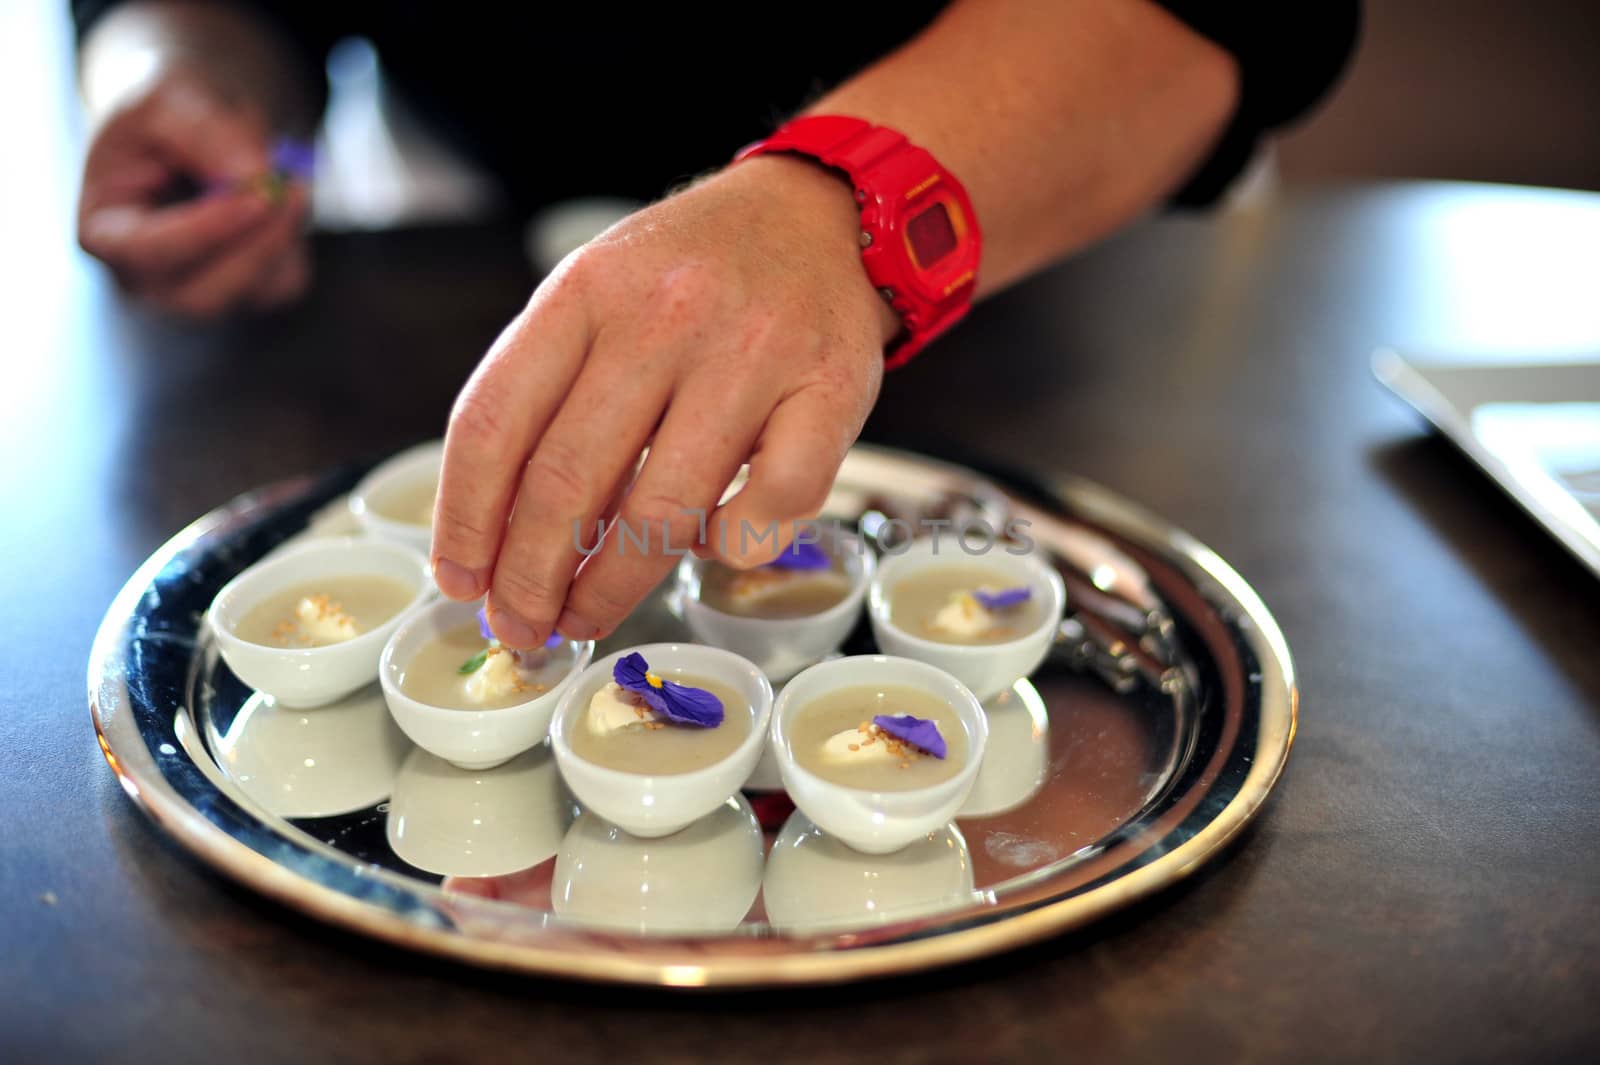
pixel 920 241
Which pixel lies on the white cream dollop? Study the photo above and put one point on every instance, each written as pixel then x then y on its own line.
pixel 854 747
pixel 500 675
pixel 614 709
pixel 495 679
pixel 321 620
pixel 962 616
pixel 754 588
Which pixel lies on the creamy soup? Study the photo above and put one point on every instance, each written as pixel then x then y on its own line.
pixel 933 603
pixel 504 678
pixel 668 748
pixel 412 503
pixel 861 756
pixel 326 611
pixel 771 592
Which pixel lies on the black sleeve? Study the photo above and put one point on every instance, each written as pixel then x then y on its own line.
pixel 1289 55
pixel 85 13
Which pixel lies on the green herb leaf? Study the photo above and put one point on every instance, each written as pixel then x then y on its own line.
pixel 475 663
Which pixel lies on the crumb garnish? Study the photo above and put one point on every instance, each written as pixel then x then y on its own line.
pixel 311 609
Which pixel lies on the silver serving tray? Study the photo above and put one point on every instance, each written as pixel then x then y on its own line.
pixel 1143 745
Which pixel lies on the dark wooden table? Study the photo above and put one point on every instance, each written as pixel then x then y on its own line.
pixel 1424 886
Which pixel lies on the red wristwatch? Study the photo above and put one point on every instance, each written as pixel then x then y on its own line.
pixel 919 238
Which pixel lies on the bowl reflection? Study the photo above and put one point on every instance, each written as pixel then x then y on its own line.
pixel 1017 759
pixel 314 763
pixel 699 880
pixel 476 823
pixel 815 883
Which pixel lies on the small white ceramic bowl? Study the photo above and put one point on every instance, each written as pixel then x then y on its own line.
pixel 314 676
pixel 877 822
pixel 474 823
pixel 467 738
pixel 815 884
pixel 781 647
pixel 391 478
pixel 652 806
pixel 701 880
pixel 988 669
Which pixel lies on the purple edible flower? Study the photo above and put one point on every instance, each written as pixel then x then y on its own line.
pixel 677 703
pixel 294 158
pixel 488 634
pixel 800 555
pixel 917 731
pixel 1002 598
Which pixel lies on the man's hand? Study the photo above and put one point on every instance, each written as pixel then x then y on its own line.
pixel 733 322
pixel 229 244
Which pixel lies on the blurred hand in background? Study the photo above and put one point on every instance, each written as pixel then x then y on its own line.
pixel 181 197
pixel 179 201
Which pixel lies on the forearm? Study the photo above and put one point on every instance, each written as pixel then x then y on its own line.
pixel 231 48
pixel 1064 119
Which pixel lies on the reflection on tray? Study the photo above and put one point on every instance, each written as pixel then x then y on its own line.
pixel 476 823
pixel 817 884
pixel 1018 755
pixel 702 879
pixel 515 834
pixel 314 763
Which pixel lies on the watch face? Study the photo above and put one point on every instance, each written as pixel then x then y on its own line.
pixel 935 262
pixel 932 235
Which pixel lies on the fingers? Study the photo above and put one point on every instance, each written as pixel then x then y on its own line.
pixel 603 424
pixel 791 472
pixel 142 243
pixel 652 311
pixel 202 134
pixel 698 449
pixel 500 414
pixel 239 272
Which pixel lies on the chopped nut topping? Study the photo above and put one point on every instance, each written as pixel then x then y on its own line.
pixel 321 607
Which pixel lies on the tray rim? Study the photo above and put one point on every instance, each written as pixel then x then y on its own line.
pixel 123 747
